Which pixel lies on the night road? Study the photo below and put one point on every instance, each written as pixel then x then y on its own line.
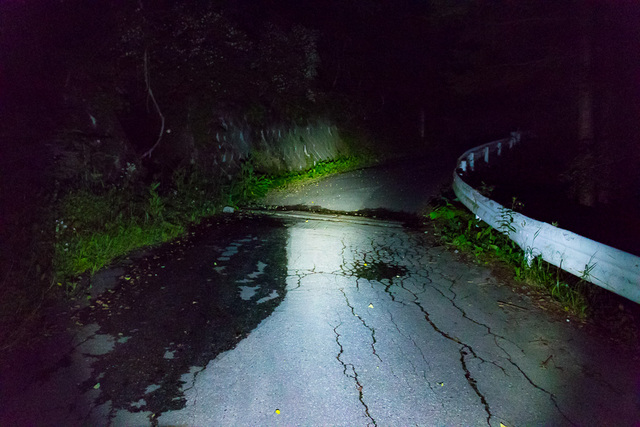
pixel 379 327
pixel 296 318
pixel 245 213
pixel 404 185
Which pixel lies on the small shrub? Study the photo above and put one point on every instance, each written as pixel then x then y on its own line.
pixel 248 185
pixel 92 229
pixel 458 227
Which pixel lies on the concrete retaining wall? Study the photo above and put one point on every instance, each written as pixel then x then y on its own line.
pixel 278 149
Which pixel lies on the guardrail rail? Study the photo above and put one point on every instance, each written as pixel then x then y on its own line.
pixel 600 264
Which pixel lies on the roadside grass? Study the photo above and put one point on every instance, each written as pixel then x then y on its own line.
pixel 90 252
pixel 252 185
pixel 456 226
pixel 321 169
pixel 93 229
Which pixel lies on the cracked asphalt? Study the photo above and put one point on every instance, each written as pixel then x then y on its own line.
pixel 285 317
pixel 403 185
pixel 381 326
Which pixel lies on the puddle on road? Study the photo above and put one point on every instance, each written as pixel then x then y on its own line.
pixel 140 344
pixel 180 307
pixel 247 292
pixel 378 271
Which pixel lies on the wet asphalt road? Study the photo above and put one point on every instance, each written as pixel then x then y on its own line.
pixel 380 326
pixel 295 318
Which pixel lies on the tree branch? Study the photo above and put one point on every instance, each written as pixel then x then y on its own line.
pixel 155 103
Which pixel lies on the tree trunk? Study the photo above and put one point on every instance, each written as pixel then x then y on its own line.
pixel 586 186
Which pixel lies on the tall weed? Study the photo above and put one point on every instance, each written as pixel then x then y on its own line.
pixel 92 229
pixel 458 227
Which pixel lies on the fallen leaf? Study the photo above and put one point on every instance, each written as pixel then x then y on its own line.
pixel 277 411
pixel 97 386
pixel 370 305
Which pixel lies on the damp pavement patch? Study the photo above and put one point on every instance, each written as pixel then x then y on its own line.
pixel 301 319
pixel 123 354
pixel 381 326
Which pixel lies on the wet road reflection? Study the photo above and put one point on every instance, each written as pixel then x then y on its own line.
pixel 381 327
pixel 308 319
pixel 162 315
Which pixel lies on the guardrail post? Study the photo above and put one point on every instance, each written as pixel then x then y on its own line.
pixel 486 154
pixel 471 163
pixel 515 138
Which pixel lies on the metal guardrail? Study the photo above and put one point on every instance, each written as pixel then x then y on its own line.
pixel 600 264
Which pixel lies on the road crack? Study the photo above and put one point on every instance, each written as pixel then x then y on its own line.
pixel 508 355
pixel 353 375
pixel 465 349
pixel 299 275
pixel 472 381
pixel 371 330
pixel 464 313
pixel 552 396
pixel 424 358
pixel 469 350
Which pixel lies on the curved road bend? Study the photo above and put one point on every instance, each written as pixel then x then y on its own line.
pixel 296 318
pixel 380 326
pixel 403 185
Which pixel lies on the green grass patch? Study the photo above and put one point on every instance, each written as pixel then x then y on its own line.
pixel 91 230
pixel 92 251
pixel 251 185
pixel 248 186
pixel 94 229
pixel 90 239
pixel 321 169
pixel 458 227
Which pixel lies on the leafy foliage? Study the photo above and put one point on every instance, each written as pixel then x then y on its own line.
pixel 291 60
pixel 249 185
pixel 83 160
pixel 92 229
pixel 201 58
pixel 320 169
pixel 456 226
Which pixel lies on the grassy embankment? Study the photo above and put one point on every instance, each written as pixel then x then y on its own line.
pixel 92 230
pixel 459 228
